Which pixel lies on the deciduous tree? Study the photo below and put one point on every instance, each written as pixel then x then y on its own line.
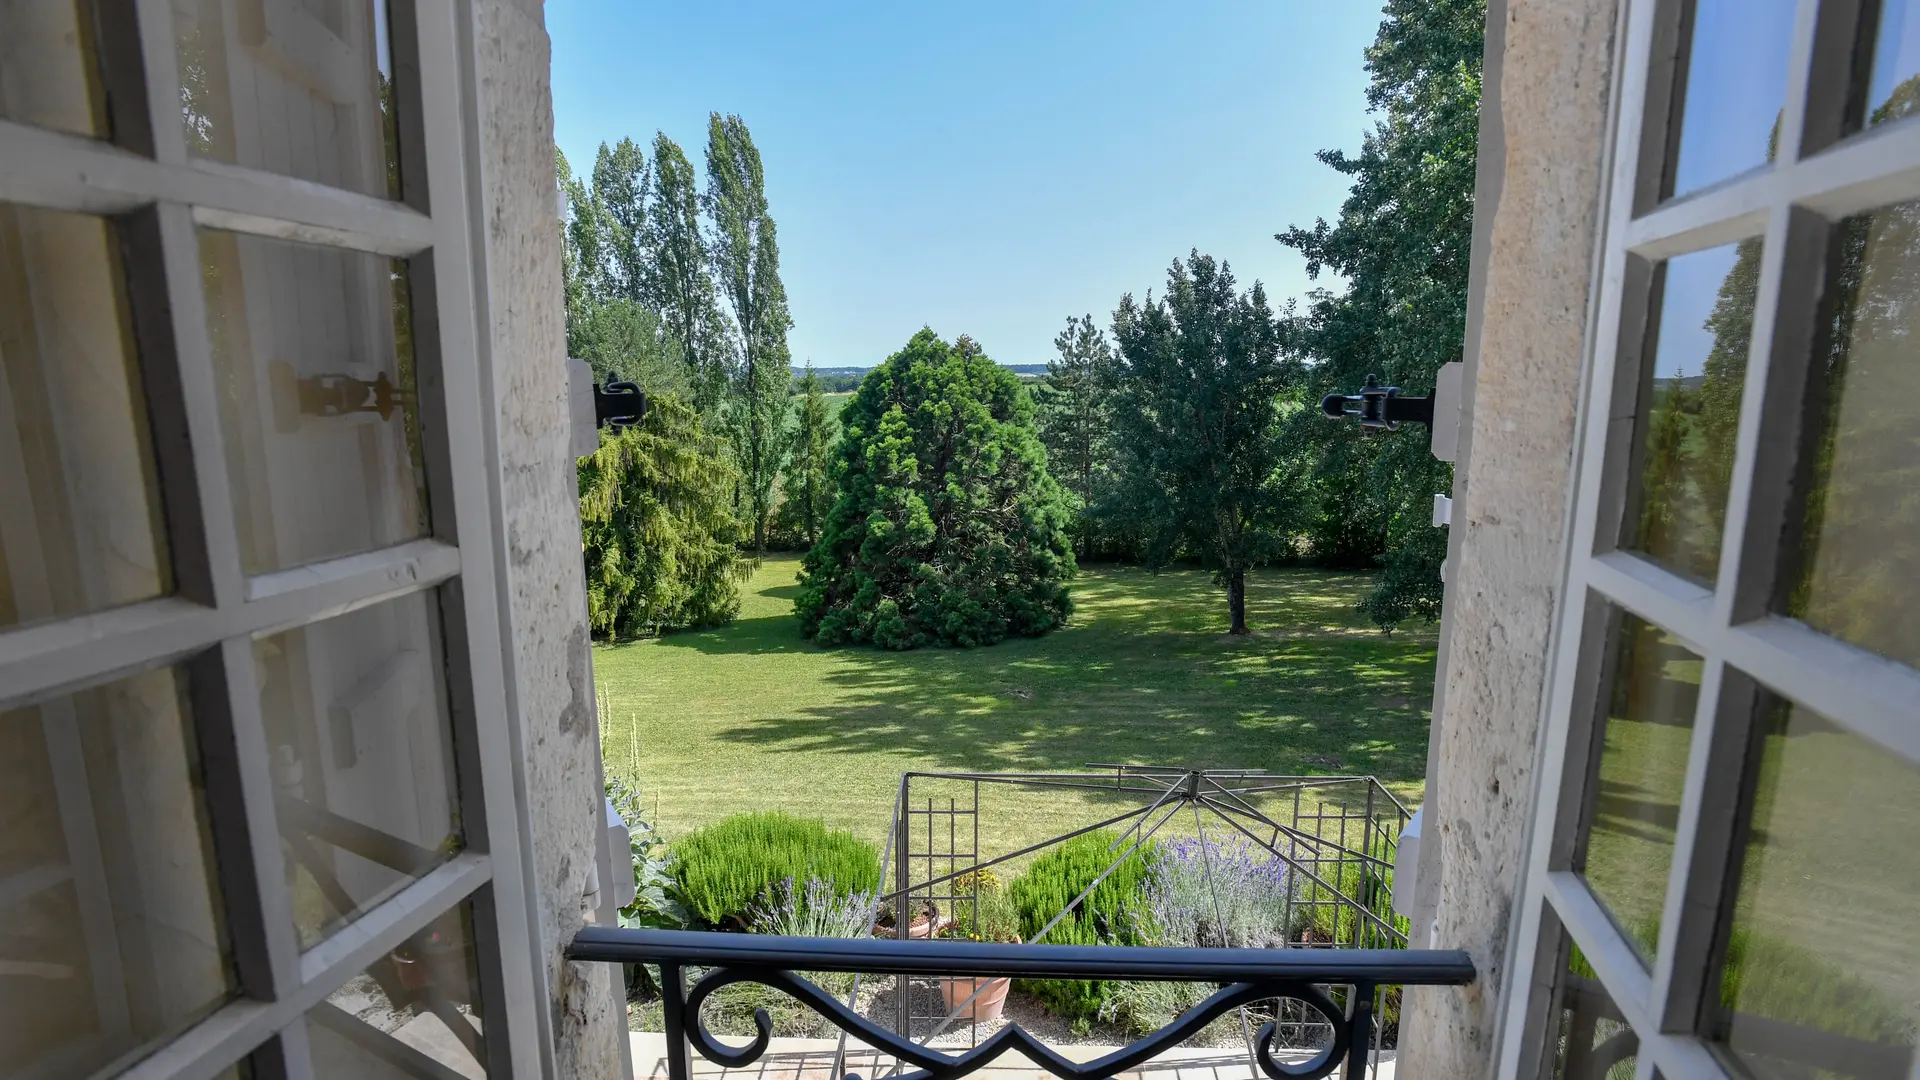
pixel 1197 461
pixel 746 259
pixel 680 285
pixel 1402 243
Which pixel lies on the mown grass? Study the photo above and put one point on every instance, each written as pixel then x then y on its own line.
pixel 753 717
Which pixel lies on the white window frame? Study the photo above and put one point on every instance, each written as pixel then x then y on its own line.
pixel 1748 650
pixel 157 195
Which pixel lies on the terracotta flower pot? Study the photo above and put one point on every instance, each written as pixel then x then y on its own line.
pixel 985 1006
pixel 925 928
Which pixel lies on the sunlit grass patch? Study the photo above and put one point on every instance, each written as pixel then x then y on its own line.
pixel 752 717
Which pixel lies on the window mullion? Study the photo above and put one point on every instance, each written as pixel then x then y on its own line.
pixel 184 405
pixel 72 172
pixel 1605 948
pixel 160 63
pixel 1800 56
pixel 1705 859
pixel 1868 695
pixel 245 824
pixel 240 1026
pixel 1773 419
pixel 1736 572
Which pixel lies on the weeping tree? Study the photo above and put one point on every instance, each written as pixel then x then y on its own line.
pixel 658 527
pixel 947 528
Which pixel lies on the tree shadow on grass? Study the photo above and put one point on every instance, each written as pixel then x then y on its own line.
pixel 1189 699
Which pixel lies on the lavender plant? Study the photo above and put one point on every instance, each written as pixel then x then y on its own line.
pixel 1209 893
pixel 812 910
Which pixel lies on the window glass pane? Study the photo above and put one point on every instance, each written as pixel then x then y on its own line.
pixel 1822 976
pixel 1736 85
pixel 415 1012
pixel 1634 803
pixel 110 931
pixel 356 723
pixel 48 72
pixel 295 87
pixel 1859 540
pixel 1892 89
pixel 79 507
pixel 1690 406
pixel 313 347
pixel 1593 1041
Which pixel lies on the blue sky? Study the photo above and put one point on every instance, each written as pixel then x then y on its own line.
pixel 989 167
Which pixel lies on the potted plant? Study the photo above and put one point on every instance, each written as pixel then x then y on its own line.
pixel 986 914
pixel 926 922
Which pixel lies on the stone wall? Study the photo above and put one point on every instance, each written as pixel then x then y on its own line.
pixel 546 592
pixel 1552 77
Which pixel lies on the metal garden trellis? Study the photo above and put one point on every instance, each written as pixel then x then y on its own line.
pixel 1336 835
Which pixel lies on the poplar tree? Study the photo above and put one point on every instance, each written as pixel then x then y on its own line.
pixel 621 179
pixel 746 260
pixel 680 282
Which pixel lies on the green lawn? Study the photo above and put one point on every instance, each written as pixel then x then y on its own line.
pixel 754 717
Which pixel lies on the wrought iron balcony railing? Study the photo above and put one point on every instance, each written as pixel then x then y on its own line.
pixel 1245 976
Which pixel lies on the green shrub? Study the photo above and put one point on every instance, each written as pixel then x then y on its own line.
pixel 1105 917
pixel 729 865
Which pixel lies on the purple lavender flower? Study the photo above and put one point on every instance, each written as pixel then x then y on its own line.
pixel 1213 893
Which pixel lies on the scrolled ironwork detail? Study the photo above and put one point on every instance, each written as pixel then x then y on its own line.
pixel 1245 976
pixel 934 1065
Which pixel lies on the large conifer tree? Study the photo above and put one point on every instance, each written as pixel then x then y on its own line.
pixel 948 527
pixel 661 541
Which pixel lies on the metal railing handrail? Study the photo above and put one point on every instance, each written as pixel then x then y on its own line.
pixel 939 956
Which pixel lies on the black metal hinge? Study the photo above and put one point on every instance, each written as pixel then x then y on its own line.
pixel 1379 408
pixel 618 404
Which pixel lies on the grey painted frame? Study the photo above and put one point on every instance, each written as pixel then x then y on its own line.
pixel 155 195
pixel 1748 650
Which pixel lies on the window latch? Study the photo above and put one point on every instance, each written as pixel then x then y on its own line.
pixel 1379 408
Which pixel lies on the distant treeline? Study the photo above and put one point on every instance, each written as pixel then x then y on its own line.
pixel 844 380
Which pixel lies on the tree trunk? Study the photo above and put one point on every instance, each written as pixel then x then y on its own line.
pixel 1237 600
